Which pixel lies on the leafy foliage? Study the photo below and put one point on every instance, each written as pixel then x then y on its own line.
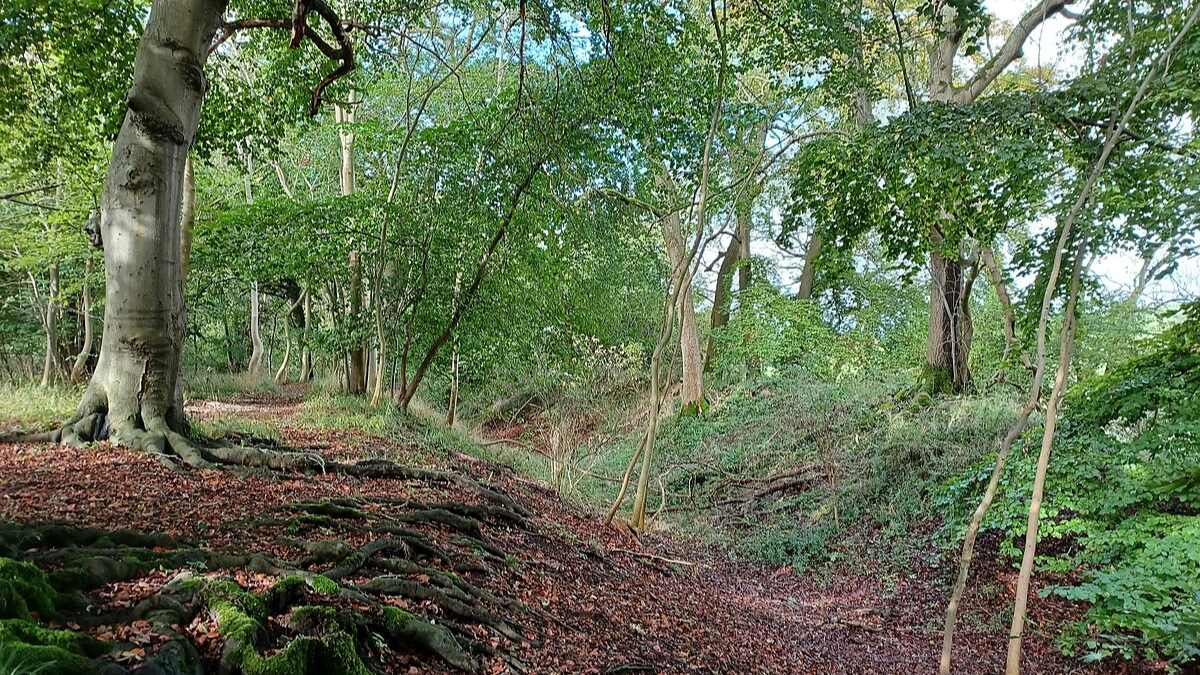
pixel 1124 491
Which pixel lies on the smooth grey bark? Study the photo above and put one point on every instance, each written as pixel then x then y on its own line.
pixel 79 369
pixel 137 385
pixel 187 218
pixel 281 373
pixel 356 373
pixel 691 393
pixel 722 295
pixel 256 341
pixel 306 360
pixel 50 367
pixel 808 274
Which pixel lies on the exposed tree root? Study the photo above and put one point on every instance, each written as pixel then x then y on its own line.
pixel 328 609
pixel 330 606
pixel 178 452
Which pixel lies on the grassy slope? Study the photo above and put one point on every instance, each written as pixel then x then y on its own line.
pixel 876 464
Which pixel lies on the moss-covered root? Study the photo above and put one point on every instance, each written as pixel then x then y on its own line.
pixel 461 607
pixel 332 654
pixel 25 590
pixel 328 641
pixel 24 644
pixel 406 629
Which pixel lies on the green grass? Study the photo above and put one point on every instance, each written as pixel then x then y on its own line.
pixel 887 459
pixel 217 385
pixel 34 408
pixel 218 427
pixel 326 410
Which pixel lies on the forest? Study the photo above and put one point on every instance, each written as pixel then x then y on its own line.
pixel 358 337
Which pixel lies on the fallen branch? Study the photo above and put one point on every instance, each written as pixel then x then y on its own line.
pixel 651 556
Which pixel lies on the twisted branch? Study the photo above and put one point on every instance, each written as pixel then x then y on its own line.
pixel 298 25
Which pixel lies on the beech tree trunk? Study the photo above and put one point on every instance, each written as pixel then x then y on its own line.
pixel 79 369
pixel 306 360
pixel 949 345
pixel 692 391
pixel 948 348
pixel 808 274
pixel 256 342
pixel 137 385
pixel 722 295
pixel 50 366
pixel 356 373
pixel 187 219
pixel 452 408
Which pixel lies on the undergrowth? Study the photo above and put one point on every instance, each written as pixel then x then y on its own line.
pixel 1120 526
pixel 34 408
pixel 215 385
pixel 869 465
pixel 875 463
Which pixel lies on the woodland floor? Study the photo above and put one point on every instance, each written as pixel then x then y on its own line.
pixel 615 608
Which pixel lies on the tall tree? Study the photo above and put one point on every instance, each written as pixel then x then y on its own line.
pixel 135 395
pixel 948 348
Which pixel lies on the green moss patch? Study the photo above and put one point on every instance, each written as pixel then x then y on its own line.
pixel 395 618
pixel 334 654
pixel 25 589
pixel 324 585
pixel 48 652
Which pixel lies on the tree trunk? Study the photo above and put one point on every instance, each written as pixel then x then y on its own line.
pixel 137 383
pixel 723 292
pixel 187 218
pixel 50 366
pixel 948 348
pixel 737 254
pixel 1024 577
pixel 356 374
pixel 809 273
pixel 452 409
pixel 281 374
pixel 1009 317
pixel 692 392
pixel 306 360
pixel 85 308
pixel 949 344
pixel 409 386
pixel 256 342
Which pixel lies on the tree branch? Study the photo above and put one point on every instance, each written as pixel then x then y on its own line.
pixel 21 193
pixel 1012 48
pixel 298 25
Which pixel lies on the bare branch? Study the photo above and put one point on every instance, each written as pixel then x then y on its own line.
pixel 1011 49
pixel 20 193
pixel 298 25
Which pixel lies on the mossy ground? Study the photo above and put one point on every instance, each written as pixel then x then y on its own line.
pixel 333 654
pixel 47 652
pixel 25 589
